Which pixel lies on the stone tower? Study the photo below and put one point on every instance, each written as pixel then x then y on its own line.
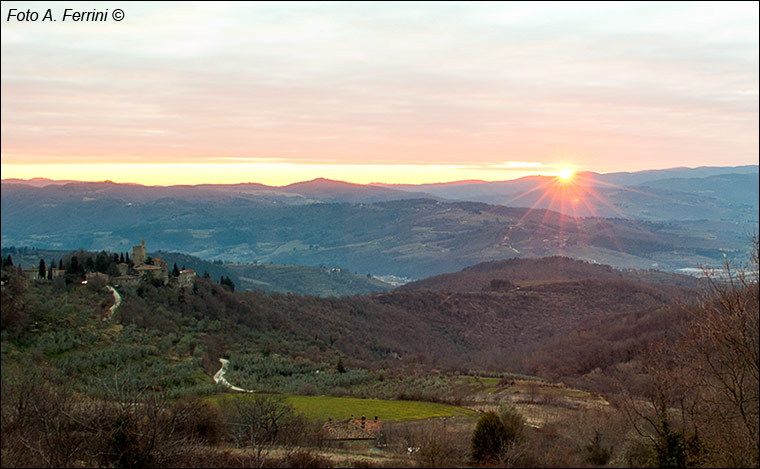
pixel 138 253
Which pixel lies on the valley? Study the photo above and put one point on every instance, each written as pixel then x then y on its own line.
pixel 339 225
pixel 566 330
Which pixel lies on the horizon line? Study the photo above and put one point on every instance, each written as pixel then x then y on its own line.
pixel 522 174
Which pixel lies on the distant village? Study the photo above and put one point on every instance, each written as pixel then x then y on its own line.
pixel 127 272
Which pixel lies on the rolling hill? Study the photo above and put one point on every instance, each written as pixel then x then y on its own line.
pixel 497 328
pixel 668 219
pixel 302 280
pixel 509 274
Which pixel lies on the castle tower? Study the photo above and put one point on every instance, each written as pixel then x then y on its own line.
pixel 138 253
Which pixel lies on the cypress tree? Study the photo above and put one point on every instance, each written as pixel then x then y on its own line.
pixel 42 271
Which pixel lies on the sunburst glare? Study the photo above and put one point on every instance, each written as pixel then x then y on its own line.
pixel 565 174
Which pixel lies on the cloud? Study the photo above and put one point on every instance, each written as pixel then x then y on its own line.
pixel 448 83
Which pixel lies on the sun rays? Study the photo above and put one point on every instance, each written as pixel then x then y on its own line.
pixel 579 203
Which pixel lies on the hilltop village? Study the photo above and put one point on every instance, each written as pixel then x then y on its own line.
pixel 113 269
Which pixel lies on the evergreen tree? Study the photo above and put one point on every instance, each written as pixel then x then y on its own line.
pixel 102 261
pixel 42 271
pixel 60 264
pixel 489 437
pixel 74 271
pixel 175 271
pixel 121 258
pixel 8 262
pixel 673 447
pixel 227 282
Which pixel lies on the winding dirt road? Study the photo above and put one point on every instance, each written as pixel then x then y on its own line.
pixel 219 377
pixel 116 302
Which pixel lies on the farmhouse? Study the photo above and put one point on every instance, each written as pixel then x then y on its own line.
pixel 352 429
pixel 93 275
pixel 153 272
pixel 123 268
pixel 186 277
pixel 51 272
pixel 126 280
pixel 32 274
pixel 55 272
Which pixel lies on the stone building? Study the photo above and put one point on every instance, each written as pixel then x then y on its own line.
pixel 93 275
pixel 32 274
pixel 126 280
pixel 155 271
pixel 186 277
pixel 352 429
pixel 139 253
pixel 123 268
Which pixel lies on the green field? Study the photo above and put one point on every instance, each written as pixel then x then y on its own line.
pixel 479 381
pixel 322 407
pixel 337 408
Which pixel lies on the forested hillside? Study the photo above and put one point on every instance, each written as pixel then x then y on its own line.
pixel 164 342
pixel 492 322
pixel 511 273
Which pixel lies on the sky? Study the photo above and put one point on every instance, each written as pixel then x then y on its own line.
pixel 214 92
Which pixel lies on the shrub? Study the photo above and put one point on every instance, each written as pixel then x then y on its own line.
pixel 489 437
pixel 338 391
pixel 308 389
pixel 514 423
pixel 305 458
pixel 596 453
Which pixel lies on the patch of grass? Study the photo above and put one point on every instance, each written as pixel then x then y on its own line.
pixel 322 407
pixel 337 408
pixel 550 390
pixel 567 392
pixel 479 381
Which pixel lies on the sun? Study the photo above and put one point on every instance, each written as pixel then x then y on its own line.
pixel 565 174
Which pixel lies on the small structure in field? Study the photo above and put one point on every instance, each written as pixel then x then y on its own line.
pixel 352 429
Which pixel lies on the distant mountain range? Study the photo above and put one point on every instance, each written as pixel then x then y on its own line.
pixel 668 219
pixel 680 194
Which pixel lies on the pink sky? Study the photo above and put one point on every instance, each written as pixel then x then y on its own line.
pixel 386 92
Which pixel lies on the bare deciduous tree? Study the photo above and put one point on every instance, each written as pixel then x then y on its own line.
pixel 256 421
pixel 704 400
